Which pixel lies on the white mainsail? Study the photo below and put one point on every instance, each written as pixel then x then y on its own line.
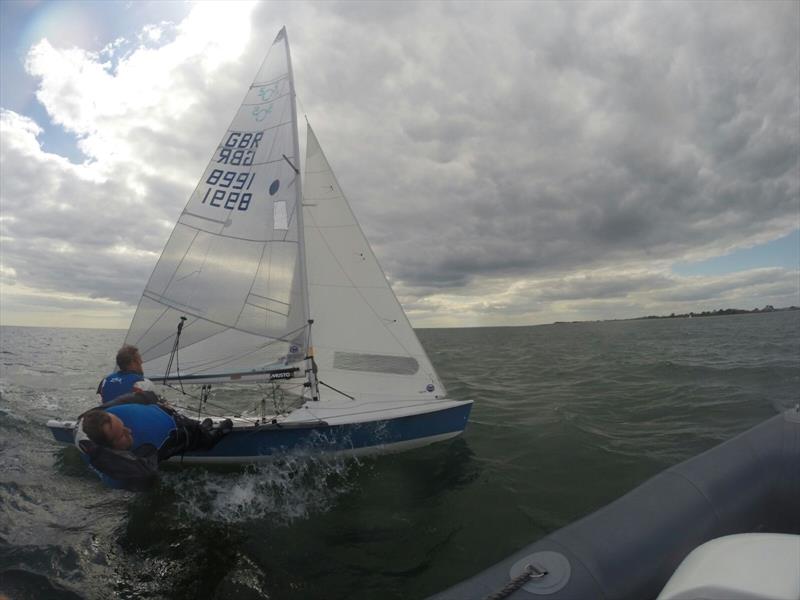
pixel 363 343
pixel 255 271
pixel 249 266
pixel 234 265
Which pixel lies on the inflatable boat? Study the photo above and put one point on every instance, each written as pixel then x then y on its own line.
pixel 718 526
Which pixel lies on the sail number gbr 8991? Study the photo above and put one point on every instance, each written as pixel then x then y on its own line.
pixel 230 189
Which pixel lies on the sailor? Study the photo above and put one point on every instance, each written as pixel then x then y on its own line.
pixel 128 377
pixel 124 440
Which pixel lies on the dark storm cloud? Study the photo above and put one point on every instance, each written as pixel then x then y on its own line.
pixel 587 135
pixel 479 144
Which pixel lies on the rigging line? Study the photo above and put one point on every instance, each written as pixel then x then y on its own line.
pixel 330 387
pixel 200 401
pixel 296 170
pixel 217 406
pixel 178 356
pixel 174 352
pixel 256 406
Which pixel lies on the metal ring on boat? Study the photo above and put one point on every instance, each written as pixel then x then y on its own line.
pixel 554 566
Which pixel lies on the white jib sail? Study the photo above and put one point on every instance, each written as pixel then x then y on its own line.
pixel 233 266
pixel 363 343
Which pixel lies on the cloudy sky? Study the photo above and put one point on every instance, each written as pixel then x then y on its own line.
pixel 512 163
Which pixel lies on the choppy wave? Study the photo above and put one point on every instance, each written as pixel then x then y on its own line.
pixel 566 418
pixel 282 490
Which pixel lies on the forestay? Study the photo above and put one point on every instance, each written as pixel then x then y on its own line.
pixel 233 265
pixel 364 345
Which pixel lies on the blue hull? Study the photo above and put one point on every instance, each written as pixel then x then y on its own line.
pixel 251 444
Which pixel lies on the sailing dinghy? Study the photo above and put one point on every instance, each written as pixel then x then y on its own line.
pixel 271 283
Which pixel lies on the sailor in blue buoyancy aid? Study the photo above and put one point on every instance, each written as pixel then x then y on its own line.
pixel 128 377
pixel 124 440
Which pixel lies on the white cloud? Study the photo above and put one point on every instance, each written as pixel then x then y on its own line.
pixel 97 228
pixel 601 294
pixel 150 92
pixel 510 162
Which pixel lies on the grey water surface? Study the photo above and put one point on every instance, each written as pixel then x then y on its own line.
pixel 566 418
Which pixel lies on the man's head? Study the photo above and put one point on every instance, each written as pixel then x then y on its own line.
pixel 129 359
pixel 108 430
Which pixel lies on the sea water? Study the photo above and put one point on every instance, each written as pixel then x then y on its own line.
pixel 566 418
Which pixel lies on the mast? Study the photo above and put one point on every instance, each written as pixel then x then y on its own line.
pixel 310 366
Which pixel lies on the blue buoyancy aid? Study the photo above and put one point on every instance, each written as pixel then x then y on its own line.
pixel 148 423
pixel 118 383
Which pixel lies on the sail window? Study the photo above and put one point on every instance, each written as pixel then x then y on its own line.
pixel 279 215
pixel 375 363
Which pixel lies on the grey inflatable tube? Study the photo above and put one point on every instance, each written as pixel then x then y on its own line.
pixel 630 548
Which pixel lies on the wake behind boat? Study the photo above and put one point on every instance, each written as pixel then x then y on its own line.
pixel 268 280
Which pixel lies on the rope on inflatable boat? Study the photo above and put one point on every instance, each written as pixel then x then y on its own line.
pixel 530 573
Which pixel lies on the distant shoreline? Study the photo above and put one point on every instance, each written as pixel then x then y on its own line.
pixel 722 312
